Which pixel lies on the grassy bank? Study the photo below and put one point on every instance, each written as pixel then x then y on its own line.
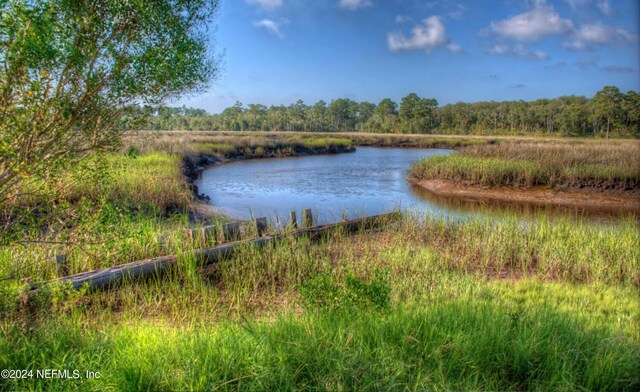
pixel 179 140
pixel 603 166
pixel 235 145
pixel 112 210
pixel 424 304
pixel 420 306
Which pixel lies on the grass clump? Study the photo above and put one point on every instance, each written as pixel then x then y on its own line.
pixel 606 166
pixel 325 293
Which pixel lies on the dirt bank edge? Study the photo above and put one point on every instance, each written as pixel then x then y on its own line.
pixel 533 195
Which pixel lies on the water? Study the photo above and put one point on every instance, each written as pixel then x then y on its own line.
pixel 368 182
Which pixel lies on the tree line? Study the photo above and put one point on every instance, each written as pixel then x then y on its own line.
pixel 608 112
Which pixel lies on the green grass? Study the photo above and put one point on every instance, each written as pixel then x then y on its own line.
pixel 491 304
pixel 470 305
pixel 481 171
pixel 497 336
pixel 131 208
pixel 320 142
pixel 605 166
pixel 236 145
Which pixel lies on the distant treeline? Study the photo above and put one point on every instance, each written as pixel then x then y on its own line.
pixel 608 112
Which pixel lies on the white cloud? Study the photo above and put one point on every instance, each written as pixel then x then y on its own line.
pixel 532 25
pixel 426 36
pixel 271 26
pixel 402 18
pixel 268 4
pixel 605 7
pixel 353 5
pixel 517 50
pixel 592 36
pixel 521 51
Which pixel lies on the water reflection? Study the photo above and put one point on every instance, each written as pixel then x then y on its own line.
pixel 473 206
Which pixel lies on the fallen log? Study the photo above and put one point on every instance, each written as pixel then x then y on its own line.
pixel 108 277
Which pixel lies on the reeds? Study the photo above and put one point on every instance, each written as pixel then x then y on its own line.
pixel 607 166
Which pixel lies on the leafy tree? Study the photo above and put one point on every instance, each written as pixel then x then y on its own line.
pixel 416 114
pixel 342 114
pixel 317 116
pixel 256 115
pixel 277 118
pixel 364 112
pixel 233 117
pixel 573 119
pixel 387 108
pixel 297 116
pixel 70 70
pixel 606 106
pixel 568 115
pixel 631 111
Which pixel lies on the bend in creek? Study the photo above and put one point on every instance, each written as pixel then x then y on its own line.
pixel 367 182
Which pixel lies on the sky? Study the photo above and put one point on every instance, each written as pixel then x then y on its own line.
pixel 276 52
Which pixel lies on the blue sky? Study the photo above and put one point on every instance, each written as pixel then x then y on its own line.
pixel 278 51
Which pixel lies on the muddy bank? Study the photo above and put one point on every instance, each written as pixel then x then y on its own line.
pixel 538 195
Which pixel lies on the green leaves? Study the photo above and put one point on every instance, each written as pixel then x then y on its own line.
pixel 71 69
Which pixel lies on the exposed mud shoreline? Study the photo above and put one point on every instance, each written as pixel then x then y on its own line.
pixel 535 195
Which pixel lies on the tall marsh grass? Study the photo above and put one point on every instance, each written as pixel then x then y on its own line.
pixel 237 145
pixel 563 165
pixel 111 210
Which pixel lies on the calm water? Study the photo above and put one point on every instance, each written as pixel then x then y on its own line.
pixel 367 182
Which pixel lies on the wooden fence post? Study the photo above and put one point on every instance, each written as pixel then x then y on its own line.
pixel 307 218
pixel 261 226
pixel 231 231
pixel 208 232
pixel 293 221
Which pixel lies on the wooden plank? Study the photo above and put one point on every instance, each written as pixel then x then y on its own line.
pixel 107 277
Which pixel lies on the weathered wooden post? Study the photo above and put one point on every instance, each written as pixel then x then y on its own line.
pixel 293 220
pixel 261 226
pixel 208 232
pixel 231 231
pixel 307 217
